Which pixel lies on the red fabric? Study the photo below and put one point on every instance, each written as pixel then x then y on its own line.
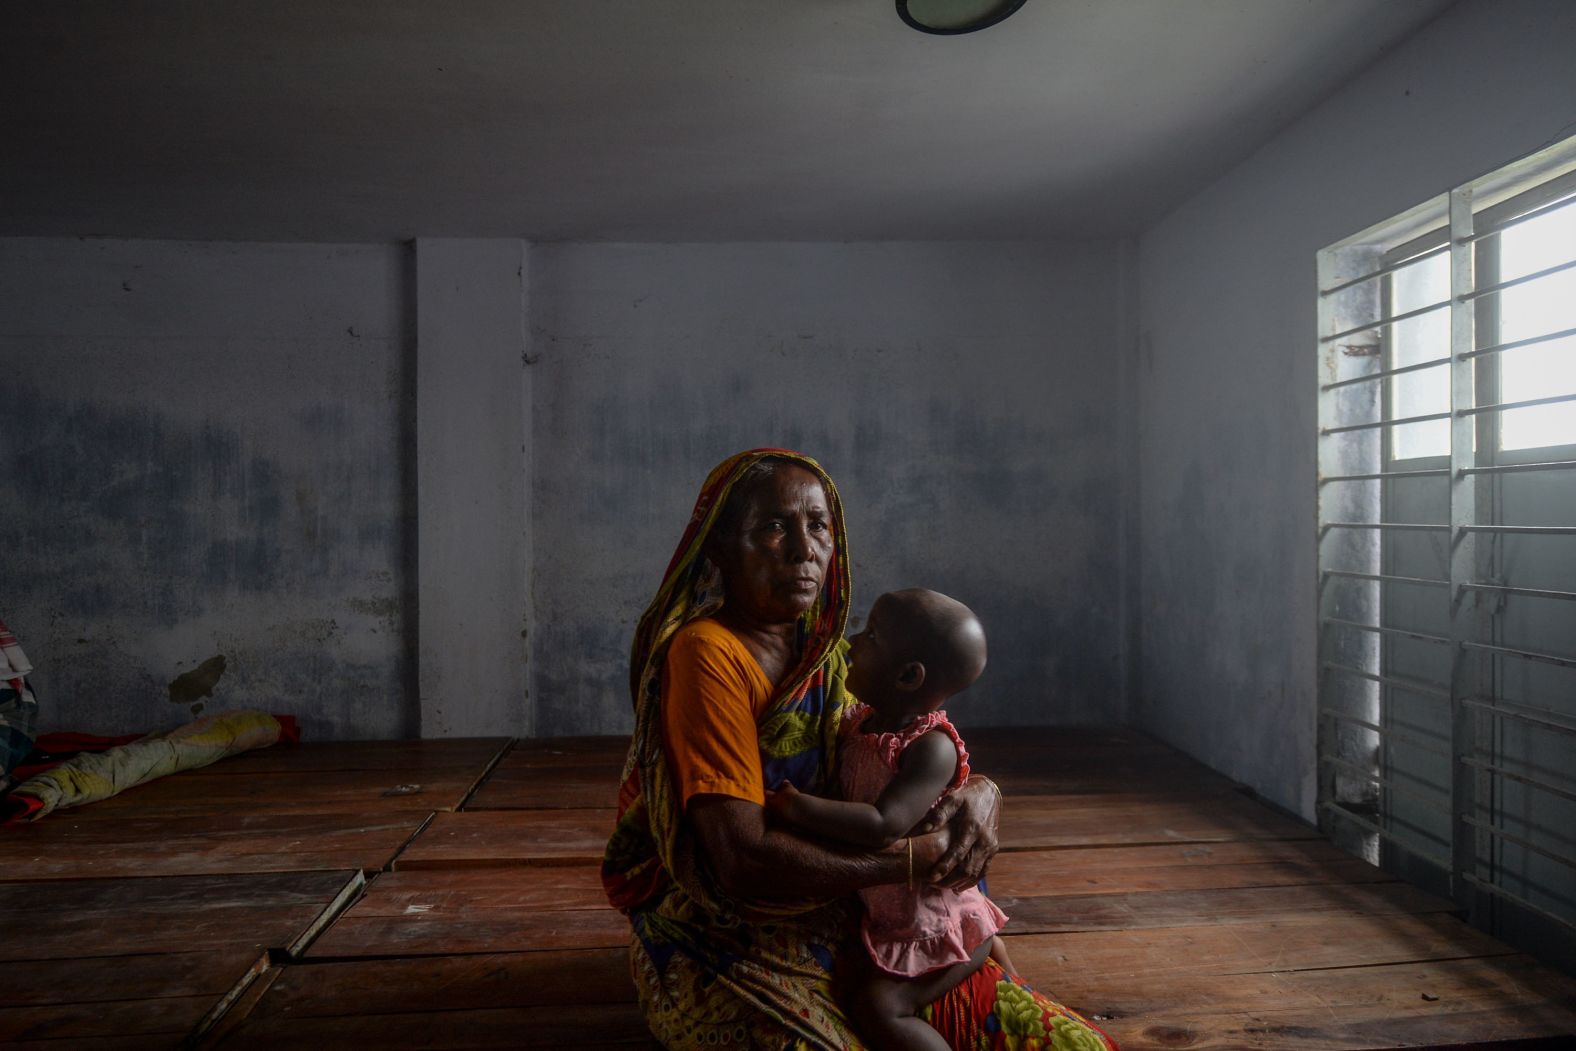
pixel 991 1009
pixel 68 741
pixel 15 810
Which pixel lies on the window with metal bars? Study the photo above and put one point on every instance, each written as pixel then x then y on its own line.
pixel 1447 547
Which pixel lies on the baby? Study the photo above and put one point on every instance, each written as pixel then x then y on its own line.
pixel 899 757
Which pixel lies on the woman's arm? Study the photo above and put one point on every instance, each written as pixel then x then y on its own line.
pixel 925 769
pixel 753 860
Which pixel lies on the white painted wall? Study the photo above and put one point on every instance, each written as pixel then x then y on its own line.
pixel 200 455
pixel 1226 384
pixel 963 396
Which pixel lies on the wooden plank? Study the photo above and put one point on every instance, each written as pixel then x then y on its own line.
pixel 1031 822
pixel 325 830
pixel 1430 995
pixel 1329 940
pixel 409 760
pixel 1330 1029
pixel 1035 742
pixel 171 1016
pixel 509 837
pixel 572 788
pixel 439 983
pixel 64 847
pixel 370 792
pixel 435 892
pixel 38 899
pixel 440 911
pixel 488 930
pixel 143 1042
pixel 1166 866
pixel 569 751
pixel 1210 908
pixel 112 917
pixel 579 1026
pixel 140 976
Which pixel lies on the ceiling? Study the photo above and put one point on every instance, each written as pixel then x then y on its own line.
pixel 647 120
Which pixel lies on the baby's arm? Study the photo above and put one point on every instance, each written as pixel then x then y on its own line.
pixel 924 771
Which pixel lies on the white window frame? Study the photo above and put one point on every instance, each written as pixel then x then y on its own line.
pixel 1357 470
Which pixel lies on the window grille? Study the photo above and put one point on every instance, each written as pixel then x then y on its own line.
pixel 1447 547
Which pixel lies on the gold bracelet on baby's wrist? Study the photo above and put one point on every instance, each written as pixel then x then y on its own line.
pixel 910 841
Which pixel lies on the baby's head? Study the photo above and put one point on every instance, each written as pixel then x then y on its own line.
pixel 917 649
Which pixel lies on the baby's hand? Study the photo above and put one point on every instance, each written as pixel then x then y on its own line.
pixel 783 802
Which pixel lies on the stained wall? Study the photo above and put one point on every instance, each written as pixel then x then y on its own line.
pixel 200 454
pixel 428 489
pixel 963 396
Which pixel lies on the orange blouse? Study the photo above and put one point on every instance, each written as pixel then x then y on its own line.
pixel 713 695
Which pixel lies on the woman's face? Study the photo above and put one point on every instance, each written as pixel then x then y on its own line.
pixel 775 561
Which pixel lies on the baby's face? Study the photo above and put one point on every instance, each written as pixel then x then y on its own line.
pixel 877 654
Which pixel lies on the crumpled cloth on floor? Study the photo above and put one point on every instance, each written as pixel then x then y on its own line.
pixel 90 777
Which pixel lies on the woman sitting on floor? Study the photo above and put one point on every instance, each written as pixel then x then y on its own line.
pixel 738 677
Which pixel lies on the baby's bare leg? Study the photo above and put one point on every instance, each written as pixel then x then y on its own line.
pixel 998 952
pixel 885 1010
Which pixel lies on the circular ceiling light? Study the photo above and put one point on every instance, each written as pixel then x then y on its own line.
pixel 952 17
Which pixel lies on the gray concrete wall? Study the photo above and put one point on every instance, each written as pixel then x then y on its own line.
pixel 963 396
pixel 473 467
pixel 1226 383
pixel 200 454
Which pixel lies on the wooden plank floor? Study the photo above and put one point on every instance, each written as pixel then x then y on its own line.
pixel 445 894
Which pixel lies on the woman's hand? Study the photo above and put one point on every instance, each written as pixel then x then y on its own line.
pixel 970 815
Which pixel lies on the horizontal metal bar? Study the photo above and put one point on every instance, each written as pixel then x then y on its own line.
pixel 1521 529
pixel 1520 841
pixel 1387 321
pixel 1431 802
pixel 1412 685
pixel 1515 468
pixel 1548 271
pixel 1511 775
pixel 1402 422
pixel 1379 630
pixel 1434 364
pixel 1389 732
pixel 1386 525
pixel 1536 213
pixel 1517 344
pixel 1385 476
pixel 1385 833
pixel 1506 406
pixel 1511 651
pixel 1383 270
pixel 1501 892
pixel 1530 592
pixel 1387 578
pixel 1532 716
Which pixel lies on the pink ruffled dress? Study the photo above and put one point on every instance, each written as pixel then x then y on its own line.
pixel 911 932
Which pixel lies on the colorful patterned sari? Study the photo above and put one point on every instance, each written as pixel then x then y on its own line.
pixel 710 970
